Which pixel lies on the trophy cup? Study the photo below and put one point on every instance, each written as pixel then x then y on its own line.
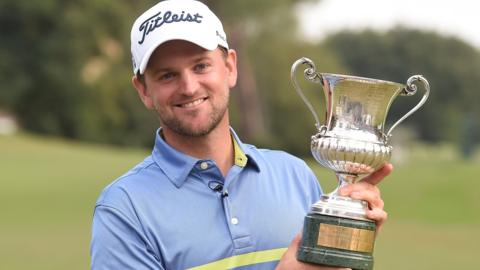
pixel 352 143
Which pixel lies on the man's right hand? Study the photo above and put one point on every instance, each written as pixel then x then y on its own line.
pixel 289 260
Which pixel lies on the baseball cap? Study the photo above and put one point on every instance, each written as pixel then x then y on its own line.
pixel 188 20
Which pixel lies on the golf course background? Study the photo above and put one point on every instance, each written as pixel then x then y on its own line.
pixel 48 188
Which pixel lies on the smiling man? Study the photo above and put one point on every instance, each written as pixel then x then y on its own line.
pixel 202 199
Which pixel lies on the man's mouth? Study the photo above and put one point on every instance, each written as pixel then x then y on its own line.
pixel 191 103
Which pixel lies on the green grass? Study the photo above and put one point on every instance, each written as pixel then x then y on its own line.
pixel 48 191
pixel 48 188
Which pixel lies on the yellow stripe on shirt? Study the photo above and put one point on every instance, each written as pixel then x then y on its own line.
pixel 243 260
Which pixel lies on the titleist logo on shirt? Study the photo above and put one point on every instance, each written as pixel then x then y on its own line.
pixel 158 20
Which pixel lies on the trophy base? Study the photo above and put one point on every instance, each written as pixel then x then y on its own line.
pixel 337 241
pixel 335 258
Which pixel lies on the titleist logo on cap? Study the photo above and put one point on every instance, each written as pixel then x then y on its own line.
pixel 158 20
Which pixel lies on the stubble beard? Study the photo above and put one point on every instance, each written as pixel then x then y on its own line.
pixel 184 129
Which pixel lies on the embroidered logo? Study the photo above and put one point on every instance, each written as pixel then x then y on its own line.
pixel 158 20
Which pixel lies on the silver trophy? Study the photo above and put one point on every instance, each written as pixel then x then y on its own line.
pixel 352 142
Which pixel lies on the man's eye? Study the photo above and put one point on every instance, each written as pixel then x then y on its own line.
pixel 167 76
pixel 201 67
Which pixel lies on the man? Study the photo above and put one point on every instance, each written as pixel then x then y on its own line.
pixel 203 199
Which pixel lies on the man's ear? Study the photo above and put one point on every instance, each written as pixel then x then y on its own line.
pixel 143 92
pixel 231 63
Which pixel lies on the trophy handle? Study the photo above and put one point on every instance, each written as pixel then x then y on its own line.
pixel 410 90
pixel 311 75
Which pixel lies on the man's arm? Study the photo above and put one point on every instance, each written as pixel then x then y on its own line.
pixel 118 243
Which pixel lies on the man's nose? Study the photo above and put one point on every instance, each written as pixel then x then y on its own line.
pixel 188 83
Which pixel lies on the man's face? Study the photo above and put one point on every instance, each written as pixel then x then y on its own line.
pixel 188 87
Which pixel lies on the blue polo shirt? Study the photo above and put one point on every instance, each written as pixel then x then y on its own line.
pixel 173 211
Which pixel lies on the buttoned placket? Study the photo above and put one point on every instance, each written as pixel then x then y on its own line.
pixel 239 234
pixel 238 229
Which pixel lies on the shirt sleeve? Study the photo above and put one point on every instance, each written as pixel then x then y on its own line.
pixel 315 188
pixel 118 243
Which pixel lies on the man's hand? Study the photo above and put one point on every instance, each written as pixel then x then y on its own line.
pixel 289 260
pixel 367 190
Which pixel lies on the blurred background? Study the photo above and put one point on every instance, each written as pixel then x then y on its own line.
pixel 70 121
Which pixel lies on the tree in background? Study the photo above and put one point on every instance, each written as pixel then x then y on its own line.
pixel 65 70
pixel 266 109
pixel 66 66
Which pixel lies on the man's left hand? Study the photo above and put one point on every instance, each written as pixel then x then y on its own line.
pixel 368 191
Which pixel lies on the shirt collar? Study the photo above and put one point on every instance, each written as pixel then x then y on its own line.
pixel 243 155
pixel 177 165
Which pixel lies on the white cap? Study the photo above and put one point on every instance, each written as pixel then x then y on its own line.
pixel 188 20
